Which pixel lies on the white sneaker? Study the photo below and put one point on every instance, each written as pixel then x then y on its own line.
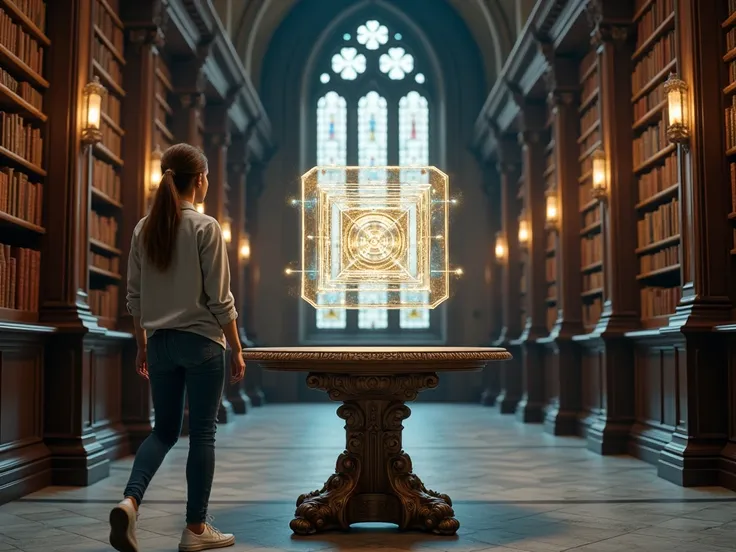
pixel 209 539
pixel 122 527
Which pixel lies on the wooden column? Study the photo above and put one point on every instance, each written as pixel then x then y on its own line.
pixel 509 165
pixel 237 170
pixel 217 141
pixel 608 432
pixel 492 371
pixel 253 189
pixel 692 455
pixel 562 412
pixel 532 119
pixel 78 458
pixel 145 41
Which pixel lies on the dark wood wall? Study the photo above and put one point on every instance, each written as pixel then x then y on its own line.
pixel 69 398
pixel 635 352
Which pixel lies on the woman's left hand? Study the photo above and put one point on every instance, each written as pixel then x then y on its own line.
pixel 141 364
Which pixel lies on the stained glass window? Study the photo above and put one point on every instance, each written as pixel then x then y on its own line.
pixel 372 35
pixel 332 150
pixel 348 63
pixel 396 63
pixel 413 151
pixel 372 152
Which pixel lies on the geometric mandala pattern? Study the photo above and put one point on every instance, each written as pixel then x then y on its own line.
pixel 381 229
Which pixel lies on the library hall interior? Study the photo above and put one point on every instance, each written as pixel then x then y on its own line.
pixel 368 275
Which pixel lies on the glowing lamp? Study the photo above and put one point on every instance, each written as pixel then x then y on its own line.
pixel 552 212
pixel 199 207
pixel 155 175
pixel 523 232
pixel 501 249
pixel 227 232
pixel 676 90
pixel 92 94
pixel 600 190
pixel 244 248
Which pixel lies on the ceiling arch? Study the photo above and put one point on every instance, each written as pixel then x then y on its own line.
pixel 488 21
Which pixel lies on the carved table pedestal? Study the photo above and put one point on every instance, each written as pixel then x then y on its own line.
pixel 373 479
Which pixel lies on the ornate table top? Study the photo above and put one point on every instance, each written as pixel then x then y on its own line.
pixel 374 359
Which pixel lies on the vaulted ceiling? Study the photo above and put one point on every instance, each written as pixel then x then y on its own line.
pixel 492 23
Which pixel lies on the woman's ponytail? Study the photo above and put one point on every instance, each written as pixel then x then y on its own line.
pixel 162 223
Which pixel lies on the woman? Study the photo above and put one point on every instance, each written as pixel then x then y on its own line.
pixel 183 311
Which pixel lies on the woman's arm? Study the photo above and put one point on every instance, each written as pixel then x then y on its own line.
pixel 216 274
pixel 134 290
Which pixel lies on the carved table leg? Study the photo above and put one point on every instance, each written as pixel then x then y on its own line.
pixel 373 480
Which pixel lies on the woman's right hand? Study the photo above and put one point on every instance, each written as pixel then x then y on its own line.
pixel 237 367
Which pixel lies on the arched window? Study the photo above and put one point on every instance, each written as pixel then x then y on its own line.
pixel 371 103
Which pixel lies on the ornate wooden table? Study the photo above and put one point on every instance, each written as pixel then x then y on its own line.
pixel 373 479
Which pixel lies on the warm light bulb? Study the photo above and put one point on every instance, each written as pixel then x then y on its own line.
pixel 500 247
pixel 227 232
pixel 552 213
pixel 459 271
pixel 288 271
pixel 155 169
pixel 92 109
pixel 200 207
pixel 599 173
pixel 676 91
pixel 523 232
pixel 244 248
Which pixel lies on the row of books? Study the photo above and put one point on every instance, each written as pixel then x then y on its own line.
pixel 104 229
pixel 551 269
pixel 658 179
pixel 592 280
pixel 21 198
pixel 662 53
pixel 22 89
pixel 35 10
pixel 591 250
pixel 104 302
pixel 111 264
pixel 659 225
pixel 585 192
pixel 591 216
pixel 106 179
pixel 664 258
pixel 732 173
pixel 552 290
pixel 19 276
pixel 649 143
pixel 731 39
pixel 731 6
pixel 590 141
pixel 644 105
pixel 659 301
pixel 653 18
pixel 589 118
pixel 551 241
pixel 111 139
pixel 21 138
pixel 109 27
pixel 111 107
pixel 592 312
pixel 107 61
pixel 588 84
pixel 731 124
pixel 15 39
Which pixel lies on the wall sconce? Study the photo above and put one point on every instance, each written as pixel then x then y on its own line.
pixel 199 207
pixel 227 231
pixel 600 188
pixel 523 232
pixel 92 95
pixel 155 176
pixel 244 248
pixel 676 90
pixel 501 250
pixel 552 211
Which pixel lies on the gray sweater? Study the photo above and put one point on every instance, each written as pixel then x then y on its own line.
pixel 193 295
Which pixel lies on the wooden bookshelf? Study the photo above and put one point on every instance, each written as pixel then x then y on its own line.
pixel 655 162
pixel 163 137
pixel 551 270
pixel 23 47
pixel 591 240
pixel 106 207
pixel 729 26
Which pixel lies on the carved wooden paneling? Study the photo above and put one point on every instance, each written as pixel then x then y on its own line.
pixel 592 384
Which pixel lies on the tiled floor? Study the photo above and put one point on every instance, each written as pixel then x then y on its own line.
pixel 515 489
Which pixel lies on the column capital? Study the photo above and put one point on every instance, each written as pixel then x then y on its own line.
pixel 608 23
pixel 145 22
pixel 217 139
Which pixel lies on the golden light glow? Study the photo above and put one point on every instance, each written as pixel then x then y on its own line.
pixel 92 96
pixel 600 187
pixel 227 232
pixel 552 214
pixel 523 232
pixel 501 250
pixel 677 127
pixel 199 207
pixel 244 248
pixel 370 235
pixel 155 176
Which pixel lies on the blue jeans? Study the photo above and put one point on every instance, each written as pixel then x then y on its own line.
pixel 178 362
